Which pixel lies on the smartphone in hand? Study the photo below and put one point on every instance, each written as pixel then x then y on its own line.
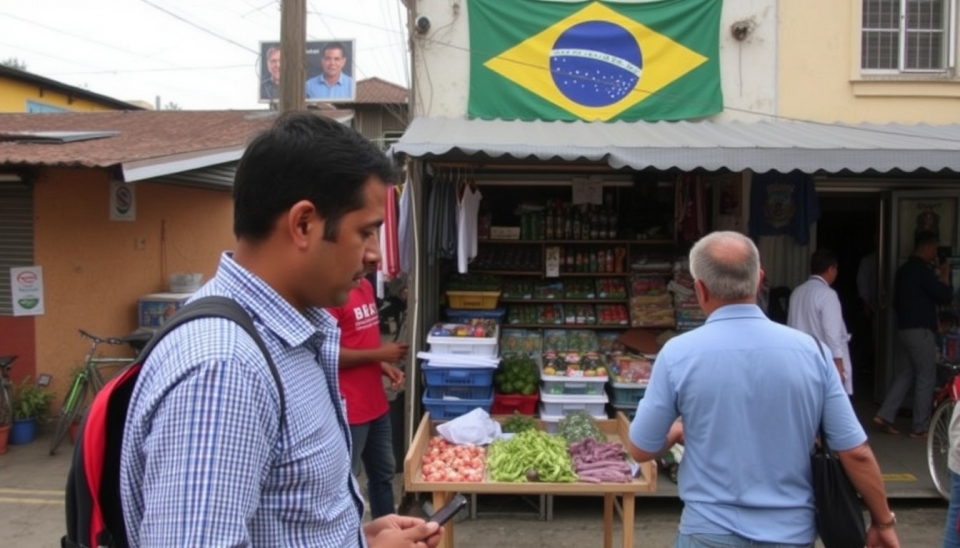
pixel 450 509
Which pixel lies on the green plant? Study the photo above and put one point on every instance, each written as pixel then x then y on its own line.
pixel 30 401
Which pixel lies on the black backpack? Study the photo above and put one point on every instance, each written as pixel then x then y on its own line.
pixel 93 510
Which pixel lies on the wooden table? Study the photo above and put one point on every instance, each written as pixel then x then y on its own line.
pixel 616 430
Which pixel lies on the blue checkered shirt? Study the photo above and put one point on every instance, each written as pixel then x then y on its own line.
pixel 205 461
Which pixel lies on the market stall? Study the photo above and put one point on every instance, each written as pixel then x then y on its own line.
pixel 615 430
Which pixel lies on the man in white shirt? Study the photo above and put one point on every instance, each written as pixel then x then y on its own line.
pixel 815 309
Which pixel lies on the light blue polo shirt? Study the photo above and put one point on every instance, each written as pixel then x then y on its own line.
pixel 751 393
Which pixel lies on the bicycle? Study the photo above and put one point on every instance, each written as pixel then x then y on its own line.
pixel 90 378
pixel 938 436
pixel 6 402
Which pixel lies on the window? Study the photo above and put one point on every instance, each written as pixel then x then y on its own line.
pixel 36 106
pixel 389 138
pixel 907 35
pixel 16 235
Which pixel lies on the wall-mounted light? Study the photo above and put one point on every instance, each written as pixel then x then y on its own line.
pixel 10 178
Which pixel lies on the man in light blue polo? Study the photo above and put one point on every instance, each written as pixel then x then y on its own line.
pixel 332 83
pixel 751 395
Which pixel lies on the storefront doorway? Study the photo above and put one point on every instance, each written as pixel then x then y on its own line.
pixel 849 225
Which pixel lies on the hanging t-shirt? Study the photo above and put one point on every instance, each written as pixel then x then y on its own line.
pixel 783 204
pixel 361 385
pixel 467 228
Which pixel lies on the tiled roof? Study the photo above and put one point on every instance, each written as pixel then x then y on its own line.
pixel 137 135
pixel 24 76
pixel 377 91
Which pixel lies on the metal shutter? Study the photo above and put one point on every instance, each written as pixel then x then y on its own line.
pixel 16 235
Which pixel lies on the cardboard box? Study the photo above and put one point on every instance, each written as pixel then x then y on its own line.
pixel 154 309
pixel 504 232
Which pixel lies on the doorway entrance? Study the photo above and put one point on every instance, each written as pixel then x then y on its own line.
pixel 849 224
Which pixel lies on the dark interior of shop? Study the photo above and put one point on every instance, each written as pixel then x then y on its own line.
pixel 848 224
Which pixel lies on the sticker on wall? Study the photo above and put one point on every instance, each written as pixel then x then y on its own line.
pixel 26 284
pixel 123 201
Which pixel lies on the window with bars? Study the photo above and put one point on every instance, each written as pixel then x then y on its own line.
pixel 906 35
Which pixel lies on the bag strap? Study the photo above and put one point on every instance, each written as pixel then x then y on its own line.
pixel 823 437
pixel 217 307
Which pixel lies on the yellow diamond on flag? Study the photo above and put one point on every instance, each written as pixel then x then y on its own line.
pixel 596 63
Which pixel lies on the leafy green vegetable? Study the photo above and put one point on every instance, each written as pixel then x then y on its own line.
pixel 579 426
pixel 519 423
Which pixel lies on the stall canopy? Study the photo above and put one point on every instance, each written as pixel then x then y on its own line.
pixel 712 145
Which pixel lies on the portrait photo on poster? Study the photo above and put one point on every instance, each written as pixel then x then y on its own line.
pixel 935 214
pixel 330 74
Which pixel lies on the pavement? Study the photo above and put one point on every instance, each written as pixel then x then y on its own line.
pixel 31 506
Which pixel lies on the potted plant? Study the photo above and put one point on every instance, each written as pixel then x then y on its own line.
pixel 30 402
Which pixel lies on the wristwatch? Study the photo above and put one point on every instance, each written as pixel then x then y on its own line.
pixel 887 524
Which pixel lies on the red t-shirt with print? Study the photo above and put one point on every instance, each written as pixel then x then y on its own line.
pixel 361 385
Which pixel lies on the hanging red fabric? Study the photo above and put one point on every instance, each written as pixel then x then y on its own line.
pixel 390 242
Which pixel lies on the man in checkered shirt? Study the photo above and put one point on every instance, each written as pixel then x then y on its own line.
pixel 207 458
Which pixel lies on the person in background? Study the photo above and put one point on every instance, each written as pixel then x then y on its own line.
pixel 752 395
pixel 207 458
pixel 918 289
pixel 951 532
pixel 363 360
pixel 815 310
pixel 332 83
pixel 270 86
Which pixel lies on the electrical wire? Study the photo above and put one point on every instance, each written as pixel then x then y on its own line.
pixel 200 27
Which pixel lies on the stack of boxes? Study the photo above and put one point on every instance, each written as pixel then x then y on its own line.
pixel 572 376
pixel 689 314
pixel 454 387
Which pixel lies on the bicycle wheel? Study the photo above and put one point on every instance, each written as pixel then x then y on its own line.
pixel 69 411
pixel 938 447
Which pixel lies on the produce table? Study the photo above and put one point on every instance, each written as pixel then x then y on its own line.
pixel 615 429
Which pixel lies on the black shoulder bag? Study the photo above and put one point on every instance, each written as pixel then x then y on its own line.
pixel 839 514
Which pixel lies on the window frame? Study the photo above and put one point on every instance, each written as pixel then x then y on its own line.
pixel 948 50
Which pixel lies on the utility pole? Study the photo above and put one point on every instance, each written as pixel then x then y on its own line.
pixel 293 47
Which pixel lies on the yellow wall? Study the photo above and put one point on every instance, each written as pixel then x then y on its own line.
pixel 14 95
pixel 819 73
pixel 93 272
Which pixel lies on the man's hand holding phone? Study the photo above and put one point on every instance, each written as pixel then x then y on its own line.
pixel 395 531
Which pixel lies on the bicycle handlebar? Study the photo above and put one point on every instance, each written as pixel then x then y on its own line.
pixel 95 338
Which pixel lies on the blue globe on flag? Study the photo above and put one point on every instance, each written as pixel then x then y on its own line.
pixel 596 63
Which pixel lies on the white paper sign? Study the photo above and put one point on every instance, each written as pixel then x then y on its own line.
pixel 587 190
pixel 26 284
pixel 123 201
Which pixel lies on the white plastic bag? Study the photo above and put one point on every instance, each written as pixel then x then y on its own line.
pixel 475 427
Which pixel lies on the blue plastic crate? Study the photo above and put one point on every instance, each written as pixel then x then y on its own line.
pixel 450 409
pixel 458 376
pixel 461 392
pixel 462 315
pixel 627 394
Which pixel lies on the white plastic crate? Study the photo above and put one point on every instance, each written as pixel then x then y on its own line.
pixel 474 346
pixel 551 422
pixel 573 386
pixel 563 405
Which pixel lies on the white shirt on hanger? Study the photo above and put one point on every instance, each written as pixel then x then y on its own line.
pixel 467 213
pixel 815 309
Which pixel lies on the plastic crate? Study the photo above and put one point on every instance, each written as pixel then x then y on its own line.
pixel 437 375
pixel 573 386
pixel 629 410
pixel 625 393
pixel 458 392
pixel 455 315
pixel 551 422
pixel 474 300
pixel 450 409
pixel 554 405
pixel 506 404
pixel 474 346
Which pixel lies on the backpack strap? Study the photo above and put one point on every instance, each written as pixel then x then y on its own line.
pixel 218 307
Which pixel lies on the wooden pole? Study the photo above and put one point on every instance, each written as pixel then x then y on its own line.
pixel 293 47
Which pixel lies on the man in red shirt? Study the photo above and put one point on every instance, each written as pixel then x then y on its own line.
pixel 363 360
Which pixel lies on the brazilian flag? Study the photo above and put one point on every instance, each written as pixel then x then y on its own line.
pixel 594 61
